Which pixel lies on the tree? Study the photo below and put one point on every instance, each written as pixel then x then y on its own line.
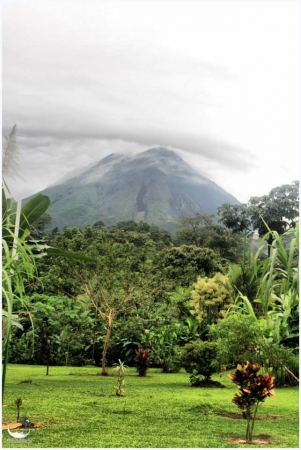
pixel 201 231
pixel 194 230
pixel 159 326
pixel 234 217
pixel 226 244
pixel 139 233
pixel 186 262
pixel 118 285
pixel 279 210
pixel 38 229
pixel 56 330
pixel 99 225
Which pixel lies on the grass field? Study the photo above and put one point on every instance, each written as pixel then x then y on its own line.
pixel 75 408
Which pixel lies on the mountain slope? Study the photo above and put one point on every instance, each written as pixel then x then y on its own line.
pixel 155 186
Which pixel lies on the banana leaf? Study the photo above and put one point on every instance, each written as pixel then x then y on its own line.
pixel 51 251
pixel 32 211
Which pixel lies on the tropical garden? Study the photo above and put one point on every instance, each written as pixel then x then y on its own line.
pixel 128 336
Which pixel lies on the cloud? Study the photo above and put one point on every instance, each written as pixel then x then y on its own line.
pixel 102 87
pixel 86 79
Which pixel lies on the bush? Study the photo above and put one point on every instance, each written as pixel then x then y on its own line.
pixel 238 338
pixel 280 362
pixel 173 363
pixel 199 359
pixel 20 351
pixel 142 361
pixel 211 298
pixel 241 338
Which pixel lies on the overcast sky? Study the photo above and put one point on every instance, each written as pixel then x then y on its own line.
pixel 216 81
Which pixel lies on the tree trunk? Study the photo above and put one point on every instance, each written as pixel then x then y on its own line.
pixel 106 346
pixel 48 350
pixel 270 242
pixel 48 361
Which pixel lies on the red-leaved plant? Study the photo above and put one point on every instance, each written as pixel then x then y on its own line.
pixel 253 389
pixel 142 361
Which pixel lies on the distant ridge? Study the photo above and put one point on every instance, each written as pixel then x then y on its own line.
pixel 155 186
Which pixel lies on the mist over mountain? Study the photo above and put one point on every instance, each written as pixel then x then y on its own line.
pixel 155 186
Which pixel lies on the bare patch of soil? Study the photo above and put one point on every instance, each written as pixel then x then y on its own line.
pixel 260 439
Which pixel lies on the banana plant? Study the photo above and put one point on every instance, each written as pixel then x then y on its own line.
pixel 278 295
pixel 282 273
pixel 283 319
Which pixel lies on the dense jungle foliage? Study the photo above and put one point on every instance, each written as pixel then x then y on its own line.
pixel 147 289
pixel 139 288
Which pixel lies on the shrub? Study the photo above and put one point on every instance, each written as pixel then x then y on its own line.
pixel 142 361
pixel 173 363
pixel 238 337
pixel 199 359
pixel 211 298
pixel 241 338
pixel 253 390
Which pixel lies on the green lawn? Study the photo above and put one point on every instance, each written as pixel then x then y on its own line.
pixel 74 407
